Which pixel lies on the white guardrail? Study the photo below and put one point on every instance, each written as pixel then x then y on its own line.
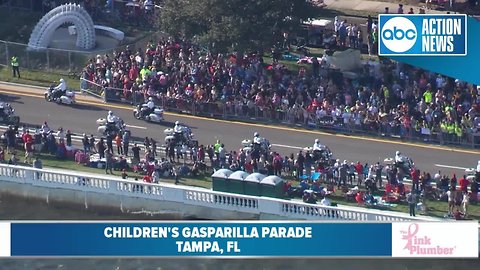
pixel 192 196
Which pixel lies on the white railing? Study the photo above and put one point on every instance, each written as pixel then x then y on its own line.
pixel 91 183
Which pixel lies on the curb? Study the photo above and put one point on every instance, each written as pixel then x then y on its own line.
pixel 78 93
pixel 22 85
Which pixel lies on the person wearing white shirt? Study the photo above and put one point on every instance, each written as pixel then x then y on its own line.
pixel 399 158
pixel 317 146
pixel 336 25
pixel 61 136
pixel 177 128
pixel 150 107
pixel 111 118
pixel 256 138
pixel 320 113
pixel 346 117
pixel 46 129
pixel 60 89
pixel 325 202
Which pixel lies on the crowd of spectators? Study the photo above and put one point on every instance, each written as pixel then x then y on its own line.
pixel 385 97
pixel 119 153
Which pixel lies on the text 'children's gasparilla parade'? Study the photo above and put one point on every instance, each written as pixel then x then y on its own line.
pixel 203 239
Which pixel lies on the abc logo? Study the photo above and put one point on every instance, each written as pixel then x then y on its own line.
pixel 399 34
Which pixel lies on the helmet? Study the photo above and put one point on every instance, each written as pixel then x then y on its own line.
pixel 255 134
pixel 177 123
pixel 110 112
pixel 150 99
pixel 62 80
pixel 317 141
pixel 397 153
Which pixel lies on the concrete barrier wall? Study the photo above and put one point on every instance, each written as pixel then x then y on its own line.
pixel 102 191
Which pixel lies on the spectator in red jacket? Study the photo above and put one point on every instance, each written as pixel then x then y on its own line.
pixel 464 184
pixel 415 174
pixel 359 170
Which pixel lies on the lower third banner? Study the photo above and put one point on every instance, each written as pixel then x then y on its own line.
pixel 238 239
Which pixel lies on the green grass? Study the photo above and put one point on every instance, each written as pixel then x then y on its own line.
pixel 435 208
pixel 38 78
pixel 49 161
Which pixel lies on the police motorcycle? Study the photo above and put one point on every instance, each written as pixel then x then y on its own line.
pixel 149 112
pixel 321 154
pixel 60 94
pixel 7 114
pixel 257 147
pixel 112 125
pixel 403 164
pixel 180 135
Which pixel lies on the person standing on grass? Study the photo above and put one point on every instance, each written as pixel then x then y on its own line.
pixel 37 164
pixel 108 161
pixel 118 143
pixel 86 144
pixel 15 66
pixel 68 137
pixel 412 202
pixel 125 142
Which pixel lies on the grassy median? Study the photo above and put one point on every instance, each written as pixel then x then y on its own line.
pixel 435 208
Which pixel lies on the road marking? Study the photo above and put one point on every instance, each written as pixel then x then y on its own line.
pixel 130 126
pixel 451 167
pixel 305 131
pixel 287 146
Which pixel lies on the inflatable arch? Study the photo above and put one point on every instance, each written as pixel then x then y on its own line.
pixel 68 13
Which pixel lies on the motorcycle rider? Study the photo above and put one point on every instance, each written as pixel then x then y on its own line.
pixel 399 159
pixel 150 107
pixel 317 148
pixel 111 121
pixel 401 162
pixel 178 131
pixel 59 90
pixel 5 110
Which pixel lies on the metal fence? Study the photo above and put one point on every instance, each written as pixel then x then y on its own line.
pixel 63 61
pixel 239 110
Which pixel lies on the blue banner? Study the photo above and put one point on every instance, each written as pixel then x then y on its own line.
pixel 201 239
pixel 235 239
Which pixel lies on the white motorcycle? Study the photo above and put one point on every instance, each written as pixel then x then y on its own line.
pixel 68 98
pixel 155 116
pixel 249 146
pixel 185 136
pixel 104 128
pixel 8 114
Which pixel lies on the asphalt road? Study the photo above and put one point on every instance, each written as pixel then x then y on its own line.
pixel 81 119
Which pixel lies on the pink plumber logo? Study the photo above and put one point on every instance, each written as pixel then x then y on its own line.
pixel 420 244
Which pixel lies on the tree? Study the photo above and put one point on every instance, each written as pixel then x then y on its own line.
pixel 234 24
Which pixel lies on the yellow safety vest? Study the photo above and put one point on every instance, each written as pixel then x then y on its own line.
pixel 458 131
pixel 451 128
pixel 14 61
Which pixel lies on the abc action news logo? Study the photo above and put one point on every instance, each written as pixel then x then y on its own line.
pixel 422 35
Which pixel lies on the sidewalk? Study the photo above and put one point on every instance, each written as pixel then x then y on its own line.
pixel 375 6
